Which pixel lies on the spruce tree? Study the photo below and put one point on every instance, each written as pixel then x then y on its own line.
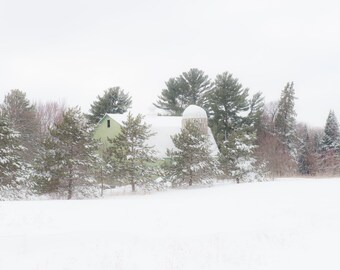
pixel 256 110
pixel 132 157
pixel 329 155
pixel 114 100
pixel 331 139
pixel 68 162
pixel 192 161
pixel 277 140
pixel 306 161
pixel 285 123
pixel 316 150
pixel 187 89
pixel 317 141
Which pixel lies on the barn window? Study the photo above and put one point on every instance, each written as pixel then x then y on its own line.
pixel 108 123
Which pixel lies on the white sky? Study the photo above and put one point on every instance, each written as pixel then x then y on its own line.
pixel 73 50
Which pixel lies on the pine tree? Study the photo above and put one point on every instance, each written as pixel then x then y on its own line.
pixel 114 100
pixel 187 89
pixel 22 117
pixel 227 101
pixel 235 121
pixel 192 160
pixel 285 123
pixel 69 160
pixel 132 157
pixel 171 99
pixel 14 182
pixel 49 171
pixel 238 159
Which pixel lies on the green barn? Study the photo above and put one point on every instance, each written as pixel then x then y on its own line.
pixel 163 127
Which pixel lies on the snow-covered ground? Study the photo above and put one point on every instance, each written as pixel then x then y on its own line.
pixel 285 224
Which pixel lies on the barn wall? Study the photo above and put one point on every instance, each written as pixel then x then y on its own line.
pixel 102 132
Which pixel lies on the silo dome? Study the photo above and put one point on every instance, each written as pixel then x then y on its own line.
pixel 194 112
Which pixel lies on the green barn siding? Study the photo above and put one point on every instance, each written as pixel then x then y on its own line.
pixel 103 132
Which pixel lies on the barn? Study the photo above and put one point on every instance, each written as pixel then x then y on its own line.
pixel 162 126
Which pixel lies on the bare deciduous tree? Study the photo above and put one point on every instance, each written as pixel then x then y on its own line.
pixel 49 113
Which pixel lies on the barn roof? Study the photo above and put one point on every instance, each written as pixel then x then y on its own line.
pixel 164 127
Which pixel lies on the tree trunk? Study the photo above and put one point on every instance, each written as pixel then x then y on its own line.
pixel 69 190
pixel 133 185
pixel 102 182
pixel 70 181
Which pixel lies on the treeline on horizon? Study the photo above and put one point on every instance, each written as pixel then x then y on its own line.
pixel 47 148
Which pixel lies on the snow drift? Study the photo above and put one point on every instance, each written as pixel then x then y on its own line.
pixel 272 225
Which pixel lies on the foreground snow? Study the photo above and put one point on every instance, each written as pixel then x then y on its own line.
pixel 286 224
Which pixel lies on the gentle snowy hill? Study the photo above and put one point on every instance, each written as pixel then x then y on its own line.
pixel 286 224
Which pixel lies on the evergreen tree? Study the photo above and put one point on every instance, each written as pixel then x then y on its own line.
pixel 329 155
pixel 317 141
pixel 285 123
pixel 192 160
pixel 114 100
pixel 132 157
pixel 331 139
pixel 256 110
pixel 271 149
pixel 68 163
pixel 21 115
pixel 235 122
pixel 171 99
pixel 227 101
pixel 49 170
pixel 238 159
pixel 14 183
pixel 306 161
pixel 315 137
pixel 187 89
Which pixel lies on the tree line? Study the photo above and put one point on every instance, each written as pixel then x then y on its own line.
pixel 277 143
pixel 49 149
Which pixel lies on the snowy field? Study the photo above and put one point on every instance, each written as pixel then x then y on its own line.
pixel 285 224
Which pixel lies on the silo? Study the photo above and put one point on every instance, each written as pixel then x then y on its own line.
pixel 197 114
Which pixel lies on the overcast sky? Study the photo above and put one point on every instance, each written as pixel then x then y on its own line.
pixel 74 50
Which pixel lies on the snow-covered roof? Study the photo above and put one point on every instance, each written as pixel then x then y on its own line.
pixel 194 112
pixel 164 127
